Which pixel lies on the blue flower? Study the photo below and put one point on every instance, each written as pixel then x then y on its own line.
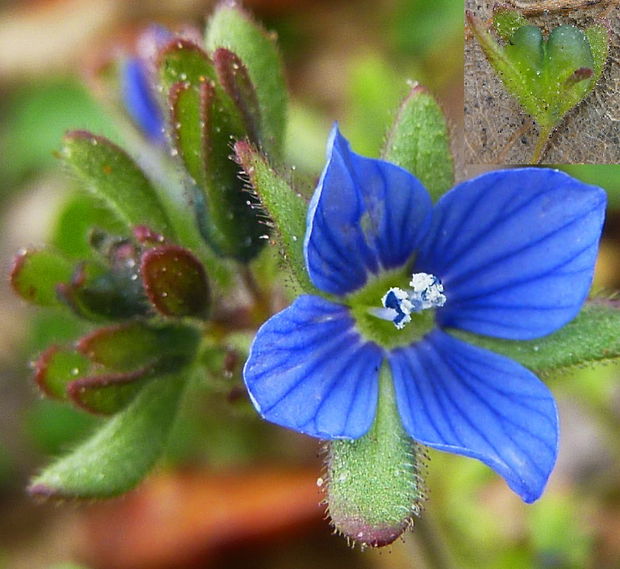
pixel 140 101
pixel 137 89
pixel 508 254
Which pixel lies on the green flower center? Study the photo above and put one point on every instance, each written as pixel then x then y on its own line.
pixel 397 308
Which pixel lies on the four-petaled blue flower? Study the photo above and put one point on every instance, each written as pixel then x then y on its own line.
pixel 515 253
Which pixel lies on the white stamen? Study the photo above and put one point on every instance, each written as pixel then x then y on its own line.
pixel 426 292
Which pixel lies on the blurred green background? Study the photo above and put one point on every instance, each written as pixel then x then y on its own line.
pixel 236 492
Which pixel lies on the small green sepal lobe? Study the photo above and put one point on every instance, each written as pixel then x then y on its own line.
pixel 286 208
pixel 419 142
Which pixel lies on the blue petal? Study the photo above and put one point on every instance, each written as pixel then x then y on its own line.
pixel 365 216
pixel 515 250
pixel 463 399
pixel 140 101
pixel 309 370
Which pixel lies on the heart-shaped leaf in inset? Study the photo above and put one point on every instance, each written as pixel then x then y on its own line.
pixel 548 76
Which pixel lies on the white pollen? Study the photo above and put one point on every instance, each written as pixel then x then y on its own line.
pixel 426 292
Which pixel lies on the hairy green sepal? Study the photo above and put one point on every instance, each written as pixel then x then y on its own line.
pixel 374 486
pixel 592 337
pixel 419 142
pixel 286 208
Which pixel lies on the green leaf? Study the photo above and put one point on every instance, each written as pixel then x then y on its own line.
pixel 507 21
pixel 374 485
pixel 234 30
pixel 235 80
pixel 286 208
pixel 37 272
pixel 593 336
pixel 419 142
pixel 121 453
pixel 188 128
pixel 110 174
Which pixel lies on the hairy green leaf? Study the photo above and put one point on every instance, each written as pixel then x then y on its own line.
pixel 594 336
pixel 108 172
pixel 234 30
pixel 121 453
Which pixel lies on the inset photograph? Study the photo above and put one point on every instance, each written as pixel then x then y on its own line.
pixel 542 82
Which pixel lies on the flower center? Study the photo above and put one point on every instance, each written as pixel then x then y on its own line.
pixel 426 292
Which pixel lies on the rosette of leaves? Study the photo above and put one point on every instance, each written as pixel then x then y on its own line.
pixel 134 368
pixel 548 73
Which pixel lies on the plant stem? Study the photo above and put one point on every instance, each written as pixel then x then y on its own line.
pixel 541 143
